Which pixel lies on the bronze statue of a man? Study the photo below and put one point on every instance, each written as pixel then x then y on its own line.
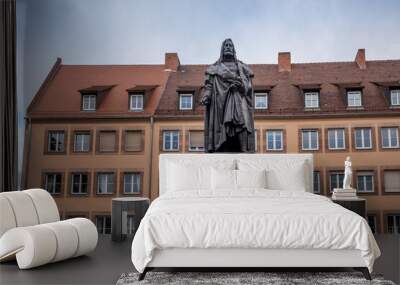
pixel 228 97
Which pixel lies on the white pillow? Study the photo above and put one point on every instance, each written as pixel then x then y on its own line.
pixel 182 177
pixel 223 179
pixel 292 179
pixel 251 178
pixel 282 174
pixel 194 175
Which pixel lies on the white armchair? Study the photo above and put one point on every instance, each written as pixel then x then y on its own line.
pixel 31 230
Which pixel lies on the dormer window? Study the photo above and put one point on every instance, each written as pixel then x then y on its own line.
pixel 311 99
pixel 88 102
pixel 185 101
pixel 260 100
pixel 136 102
pixel 395 97
pixel 354 98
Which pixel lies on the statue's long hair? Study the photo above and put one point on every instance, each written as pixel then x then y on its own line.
pixel 221 55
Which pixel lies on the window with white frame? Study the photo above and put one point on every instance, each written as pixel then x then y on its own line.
pixel 395 97
pixel 274 139
pixel 390 137
pixel 335 180
pixel 170 140
pixel 53 183
pixel 372 223
pixel 311 99
pixel 393 223
pixel 354 98
pixel 136 101
pixel 260 100
pixel 132 183
pixel 363 138
pixel 55 141
pixel 317 182
pixel 365 181
pixel 79 183
pixel 336 139
pixel 196 141
pixel 105 183
pixel 88 102
pixel 185 101
pixel 81 141
pixel 309 139
pixel 103 224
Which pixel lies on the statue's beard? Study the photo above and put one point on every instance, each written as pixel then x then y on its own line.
pixel 228 56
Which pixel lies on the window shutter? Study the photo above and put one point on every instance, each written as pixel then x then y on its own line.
pixel 392 181
pixel 133 141
pixel 107 141
pixel 197 139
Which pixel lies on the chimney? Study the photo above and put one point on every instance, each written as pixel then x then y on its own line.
pixel 172 61
pixel 284 63
pixel 360 59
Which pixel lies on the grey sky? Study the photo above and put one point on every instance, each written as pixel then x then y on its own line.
pixel 141 31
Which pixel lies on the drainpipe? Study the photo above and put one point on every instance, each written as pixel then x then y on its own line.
pixel 150 170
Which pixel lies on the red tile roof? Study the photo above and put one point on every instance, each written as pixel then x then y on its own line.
pixel 60 94
pixel 286 96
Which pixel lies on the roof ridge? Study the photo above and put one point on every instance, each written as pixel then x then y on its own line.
pixel 205 65
pixel 108 65
pixel 384 60
pixel 303 63
pixel 349 62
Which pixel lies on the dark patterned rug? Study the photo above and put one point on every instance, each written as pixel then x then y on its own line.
pixel 243 278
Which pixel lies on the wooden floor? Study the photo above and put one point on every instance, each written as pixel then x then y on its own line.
pixel 110 260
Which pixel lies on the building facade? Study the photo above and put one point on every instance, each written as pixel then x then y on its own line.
pixel 95 132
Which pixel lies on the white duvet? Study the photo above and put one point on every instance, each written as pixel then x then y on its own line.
pixel 250 219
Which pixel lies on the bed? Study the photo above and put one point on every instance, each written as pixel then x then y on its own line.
pixel 247 210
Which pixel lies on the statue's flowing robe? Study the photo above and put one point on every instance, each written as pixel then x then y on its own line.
pixel 230 112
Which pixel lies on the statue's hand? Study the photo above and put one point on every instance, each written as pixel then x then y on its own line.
pixel 238 85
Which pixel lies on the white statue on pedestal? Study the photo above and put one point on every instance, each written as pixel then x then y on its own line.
pixel 348 174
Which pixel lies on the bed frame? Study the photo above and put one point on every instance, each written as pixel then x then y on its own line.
pixel 242 259
pixel 246 258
